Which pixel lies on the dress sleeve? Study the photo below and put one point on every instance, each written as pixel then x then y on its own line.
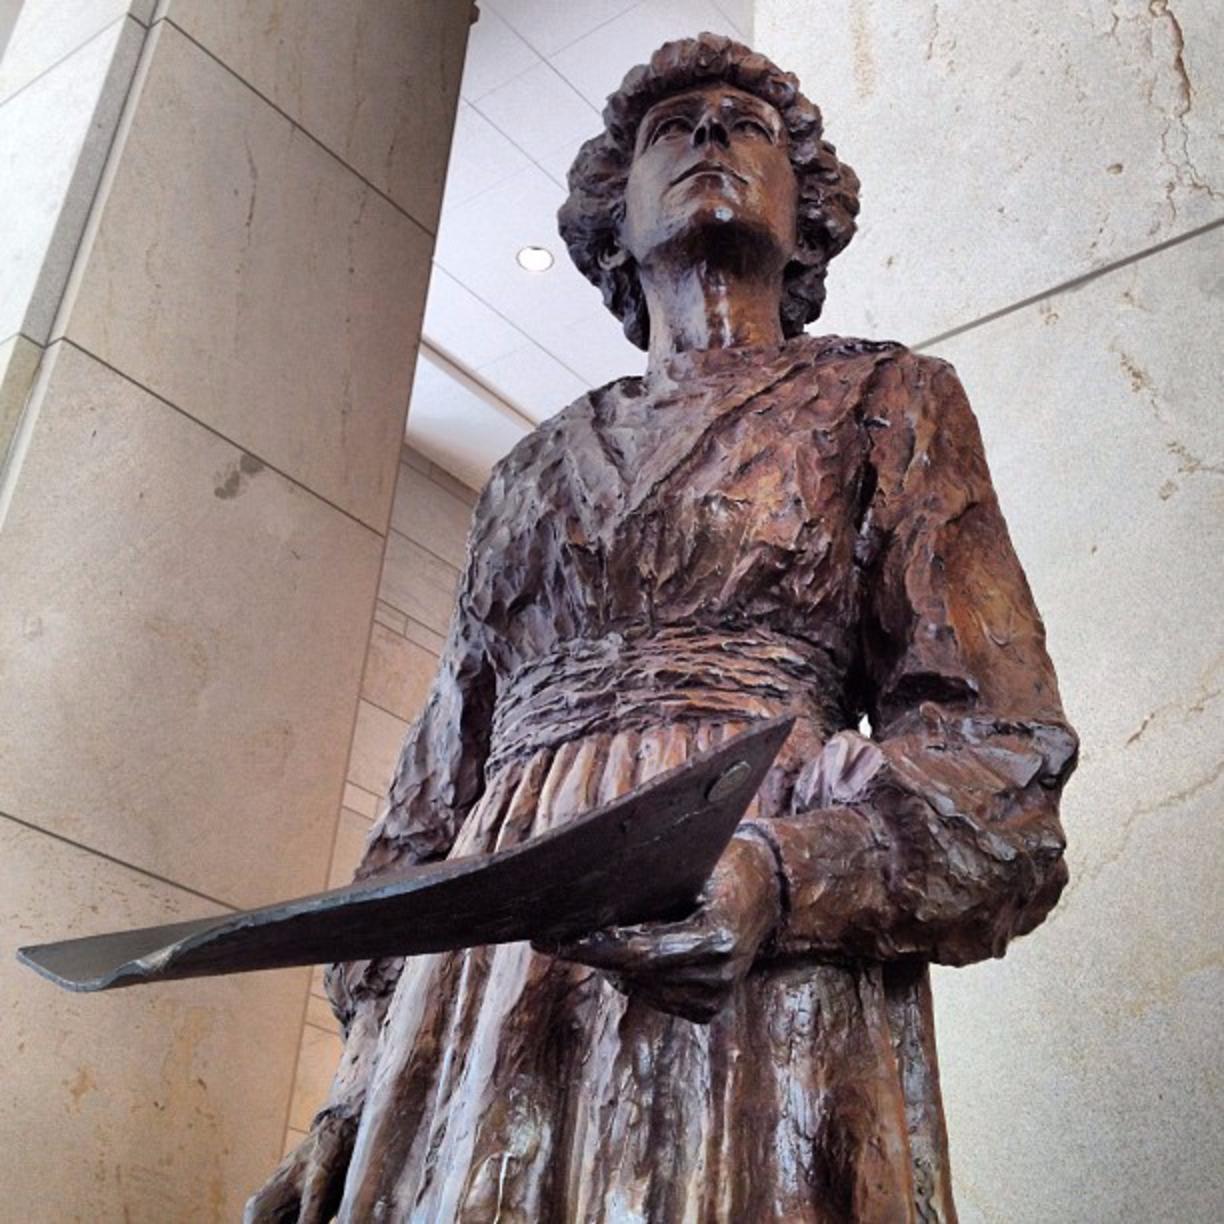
pixel 939 837
pixel 439 778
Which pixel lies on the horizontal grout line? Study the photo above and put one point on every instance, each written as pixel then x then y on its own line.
pixel 412 620
pixel 297 484
pixel 1068 285
pixel 390 714
pixel 393 530
pixel 110 858
pixel 110 25
pixel 378 191
pixel 419 623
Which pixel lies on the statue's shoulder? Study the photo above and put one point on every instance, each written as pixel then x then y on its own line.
pixel 856 350
pixel 538 449
pixel 914 376
pixel 521 477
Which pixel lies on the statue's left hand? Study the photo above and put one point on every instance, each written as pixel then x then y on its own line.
pixel 691 967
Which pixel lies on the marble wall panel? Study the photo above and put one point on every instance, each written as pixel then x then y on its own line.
pixel 351 833
pixel 320 1015
pixel 376 82
pixel 318 989
pixel 292 1139
pixel 19 360
pixel 153 1104
pixel 363 802
pixel 48 31
pixel 241 272
pixel 391 618
pixel 54 138
pixel 424 637
pixel 181 642
pixel 1080 1073
pixel 398 673
pixel 376 745
pixel 418 583
pixel 1004 149
pixel 317 1059
pixel 457 488
pixel 433 515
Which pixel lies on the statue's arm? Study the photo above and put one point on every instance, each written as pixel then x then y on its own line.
pixel 939 837
pixel 439 778
pixel 437 781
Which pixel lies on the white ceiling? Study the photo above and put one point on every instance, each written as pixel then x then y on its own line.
pixel 504 348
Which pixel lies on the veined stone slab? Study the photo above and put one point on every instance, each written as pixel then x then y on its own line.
pixel 1004 148
pixel 241 272
pixel 436 517
pixel 182 634
pixel 398 673
pixel 419 583
pixel 354 76
pixel 377 739
pixel 1078 1072
pixel 126 1105
pixel 320 1052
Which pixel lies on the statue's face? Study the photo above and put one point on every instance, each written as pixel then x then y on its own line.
pixel 707 160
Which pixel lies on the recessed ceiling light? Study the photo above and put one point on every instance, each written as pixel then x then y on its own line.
pixel 534 259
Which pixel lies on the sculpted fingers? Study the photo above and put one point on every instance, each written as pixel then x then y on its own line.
pixel 307 1186
pixel 323 1185
pixel 657 947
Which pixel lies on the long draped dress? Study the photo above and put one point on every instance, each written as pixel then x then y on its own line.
pixel 806 528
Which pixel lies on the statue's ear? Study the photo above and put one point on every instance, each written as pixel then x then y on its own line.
pixel 613 257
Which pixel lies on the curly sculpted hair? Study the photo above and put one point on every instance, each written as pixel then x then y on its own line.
pixel 591 217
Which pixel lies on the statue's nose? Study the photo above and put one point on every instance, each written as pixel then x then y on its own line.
pixel 710 130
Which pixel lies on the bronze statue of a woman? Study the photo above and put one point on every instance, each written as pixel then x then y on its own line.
pixel 766 523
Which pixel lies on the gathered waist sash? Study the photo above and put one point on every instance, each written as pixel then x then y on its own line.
pixel 637 680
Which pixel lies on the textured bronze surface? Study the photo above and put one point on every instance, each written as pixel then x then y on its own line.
pixel 645 855
pixel 766 523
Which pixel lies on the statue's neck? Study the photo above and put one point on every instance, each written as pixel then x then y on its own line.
pixel 702 307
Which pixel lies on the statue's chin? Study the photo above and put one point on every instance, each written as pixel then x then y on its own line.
pixel 730 236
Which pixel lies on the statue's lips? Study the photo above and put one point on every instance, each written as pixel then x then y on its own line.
pixel 708 167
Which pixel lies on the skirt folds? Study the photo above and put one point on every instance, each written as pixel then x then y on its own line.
pixel 516 1088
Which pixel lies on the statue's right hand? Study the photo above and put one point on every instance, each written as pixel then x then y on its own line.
pixel 307 1186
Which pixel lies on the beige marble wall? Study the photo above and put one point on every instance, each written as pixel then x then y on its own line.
pixel 424 554
pixel 215 232
pixel 65 72
pixel 1005 154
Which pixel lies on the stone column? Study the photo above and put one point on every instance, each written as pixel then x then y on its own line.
pixel 1043 205
pixel 215 236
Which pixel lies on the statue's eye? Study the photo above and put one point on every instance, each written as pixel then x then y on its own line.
pixel 754 127
pixel 670 126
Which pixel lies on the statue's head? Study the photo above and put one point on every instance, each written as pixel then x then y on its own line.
pixel 708 138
